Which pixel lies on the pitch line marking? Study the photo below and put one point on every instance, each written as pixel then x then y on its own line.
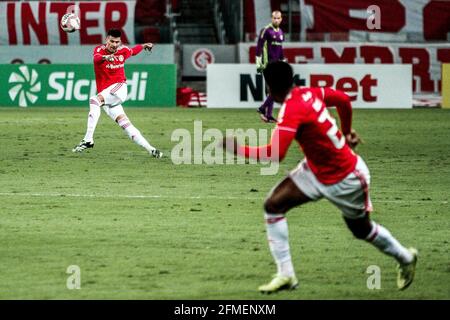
pixel 125 196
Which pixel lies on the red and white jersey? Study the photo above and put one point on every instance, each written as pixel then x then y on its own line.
pixel 324 146
pixel 108 73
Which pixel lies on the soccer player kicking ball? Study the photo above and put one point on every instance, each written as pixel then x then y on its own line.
pixel 109 61
pixel 330 170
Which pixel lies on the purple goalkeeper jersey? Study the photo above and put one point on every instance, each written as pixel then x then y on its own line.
pixel 270 44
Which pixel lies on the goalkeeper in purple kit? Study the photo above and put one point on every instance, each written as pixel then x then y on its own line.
pixel 269 49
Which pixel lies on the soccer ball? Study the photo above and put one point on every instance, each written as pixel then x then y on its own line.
pixel 70 22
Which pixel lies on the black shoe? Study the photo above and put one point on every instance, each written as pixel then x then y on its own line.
pixel 264 117
pixel 156 153
pixel 83 145
pixel 261 110
pixel 262 113
pixel 271 119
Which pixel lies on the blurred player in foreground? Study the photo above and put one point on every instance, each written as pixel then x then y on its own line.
pixel 109 61
pixel 268 49
pixel 330 170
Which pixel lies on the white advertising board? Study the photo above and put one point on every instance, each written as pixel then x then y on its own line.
pixel 368 86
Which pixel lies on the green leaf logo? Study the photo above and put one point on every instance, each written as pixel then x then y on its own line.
pixel 24 85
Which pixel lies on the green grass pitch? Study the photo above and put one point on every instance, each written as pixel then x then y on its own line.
pixel 144 228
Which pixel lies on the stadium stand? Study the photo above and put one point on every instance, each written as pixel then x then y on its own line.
pixel 196 22
pixel 151 21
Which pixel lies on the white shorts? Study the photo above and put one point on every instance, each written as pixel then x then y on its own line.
pixel 351 195
pixel 114 96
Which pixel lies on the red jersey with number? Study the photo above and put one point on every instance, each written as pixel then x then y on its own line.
pixel 108 73
pixel 323 145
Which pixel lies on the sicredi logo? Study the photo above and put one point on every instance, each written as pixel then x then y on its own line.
pixel 24 86
pixel 65 86
pixel 71 85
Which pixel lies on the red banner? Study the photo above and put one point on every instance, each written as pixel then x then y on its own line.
pixel 378 19
pixel 37 23
pixel 356 20
pixel 425 59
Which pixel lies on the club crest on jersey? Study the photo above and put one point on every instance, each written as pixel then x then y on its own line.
pixel 121 58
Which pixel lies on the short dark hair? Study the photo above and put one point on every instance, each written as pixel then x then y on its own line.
pixel 114 33
pixel 279 77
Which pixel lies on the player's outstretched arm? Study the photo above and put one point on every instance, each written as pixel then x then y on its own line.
pixel 276 150
pixel 138 48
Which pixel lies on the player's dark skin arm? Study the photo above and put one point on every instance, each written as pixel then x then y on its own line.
pixel 344 108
